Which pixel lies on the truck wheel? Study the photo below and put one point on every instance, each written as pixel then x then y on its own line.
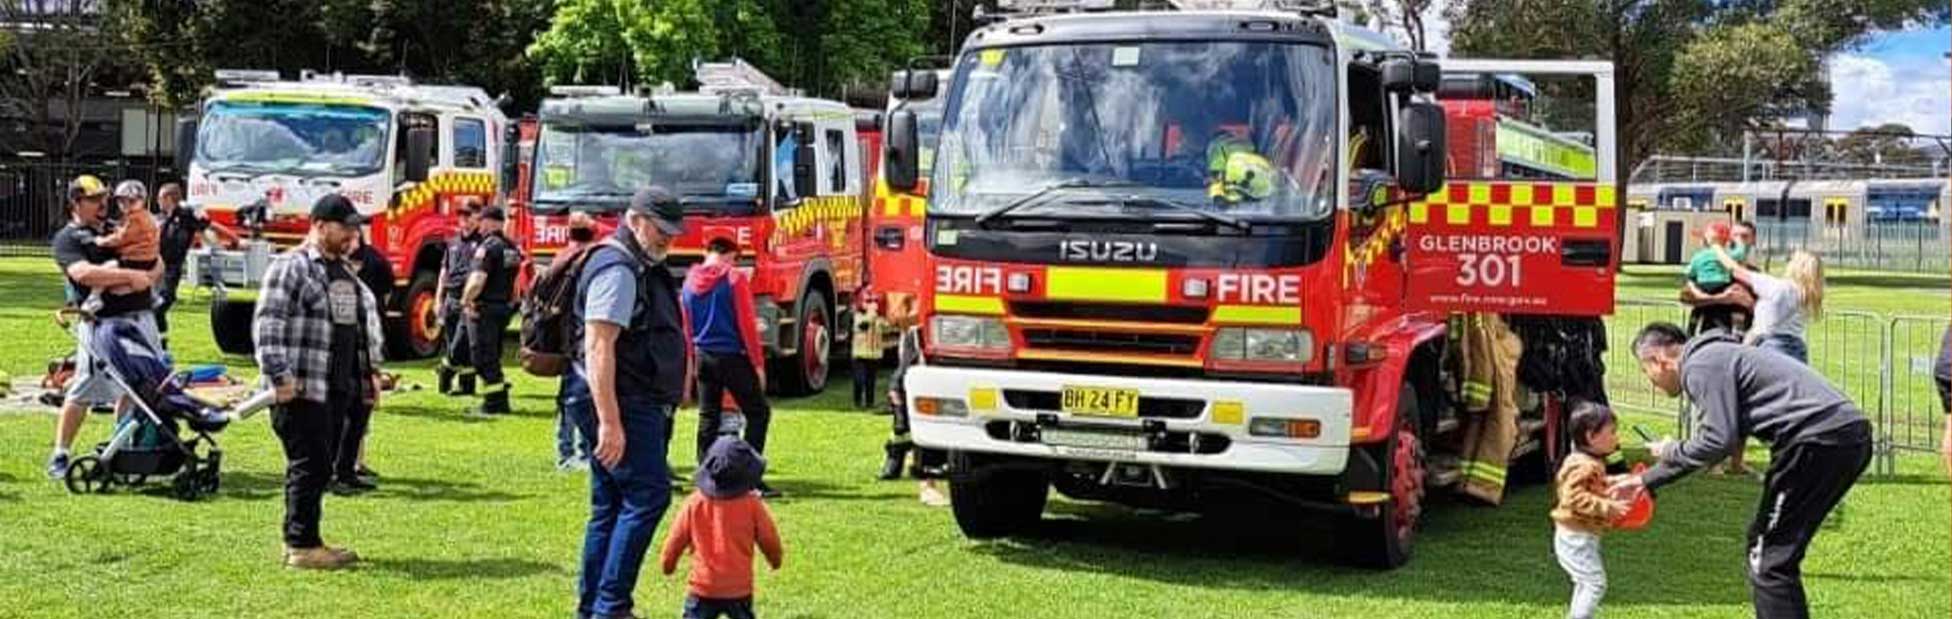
pixel 997 502
pixel 806 371
pixel 416 334
pixel 230 322
pixel 1386 541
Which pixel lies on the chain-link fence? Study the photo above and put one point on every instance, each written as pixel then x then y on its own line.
pixel 1882 363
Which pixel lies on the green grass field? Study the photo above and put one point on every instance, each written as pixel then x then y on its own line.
pixel 473 521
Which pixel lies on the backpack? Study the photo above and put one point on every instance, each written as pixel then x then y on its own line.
pixel 549 314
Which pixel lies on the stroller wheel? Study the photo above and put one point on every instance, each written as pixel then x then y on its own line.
pixel 208 481
pixel 87 476
pixel 188 484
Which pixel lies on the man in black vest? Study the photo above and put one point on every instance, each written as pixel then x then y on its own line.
pixel 632 370
pixel 487 303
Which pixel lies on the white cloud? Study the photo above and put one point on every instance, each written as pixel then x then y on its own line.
pixel 1869 92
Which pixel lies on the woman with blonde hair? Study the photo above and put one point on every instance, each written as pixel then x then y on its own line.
pixel 1783 304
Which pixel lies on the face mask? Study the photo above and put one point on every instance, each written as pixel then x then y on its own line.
pixel 582 235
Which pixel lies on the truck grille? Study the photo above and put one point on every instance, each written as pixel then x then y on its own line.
pixel 1149 407
pixel 1114 312
pixel 1112 342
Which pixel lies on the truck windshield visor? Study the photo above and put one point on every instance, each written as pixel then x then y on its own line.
pixel 592 167
pixel 1243 129
pixel 307 139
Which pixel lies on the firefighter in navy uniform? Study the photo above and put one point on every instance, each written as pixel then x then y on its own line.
pixel 456 372
pixel 487 303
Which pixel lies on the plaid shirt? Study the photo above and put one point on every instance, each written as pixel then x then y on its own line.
pixel 293 324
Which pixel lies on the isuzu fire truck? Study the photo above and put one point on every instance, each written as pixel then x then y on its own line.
pixel 262 149
pixel 1208 257
pixel 782 175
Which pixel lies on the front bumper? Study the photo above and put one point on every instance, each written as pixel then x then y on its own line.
pixel 1207 426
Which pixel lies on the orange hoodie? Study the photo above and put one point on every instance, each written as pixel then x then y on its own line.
pixel 721 534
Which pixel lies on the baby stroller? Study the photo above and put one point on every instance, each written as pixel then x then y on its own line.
pixel 148 440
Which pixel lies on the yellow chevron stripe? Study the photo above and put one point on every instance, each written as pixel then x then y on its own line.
pixel 966 304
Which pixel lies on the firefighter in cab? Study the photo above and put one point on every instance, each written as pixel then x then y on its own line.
pixel 487 304
pixel 1235 172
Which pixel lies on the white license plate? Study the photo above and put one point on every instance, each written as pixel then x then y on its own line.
pixel 1093 440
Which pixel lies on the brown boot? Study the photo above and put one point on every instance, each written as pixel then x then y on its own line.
pixel 318 558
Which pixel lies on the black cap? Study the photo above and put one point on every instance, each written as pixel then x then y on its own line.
pixel 335 207
pixel 731 469
pixel 495 213
pixel 661 205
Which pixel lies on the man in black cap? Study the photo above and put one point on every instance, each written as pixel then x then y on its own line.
pixel 456 373
pixel 487 305
pixel 317 330
pixel 89 268
pixel 631 371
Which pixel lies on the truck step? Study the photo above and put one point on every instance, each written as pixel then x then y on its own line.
pixel 1526 447
pixel 1529 427
pixel 1442 471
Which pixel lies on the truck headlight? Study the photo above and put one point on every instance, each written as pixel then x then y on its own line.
pixel 1270 345
pixel 969 332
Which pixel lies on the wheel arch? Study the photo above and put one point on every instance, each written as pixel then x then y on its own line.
pixel 1415 352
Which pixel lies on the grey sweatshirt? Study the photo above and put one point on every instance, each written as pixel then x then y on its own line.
pixel 1740 391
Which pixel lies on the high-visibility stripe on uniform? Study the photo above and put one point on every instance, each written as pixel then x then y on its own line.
pixel 1100 284
pixel 1255 315
pixel 1503 204
pixel 1485 472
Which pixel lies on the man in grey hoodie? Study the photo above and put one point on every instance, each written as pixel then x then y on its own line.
pixel 1819 444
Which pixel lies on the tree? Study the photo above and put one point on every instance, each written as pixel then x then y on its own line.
pixel 1779 78
pixel 625 41
pixel 50 66
pixel 1405 16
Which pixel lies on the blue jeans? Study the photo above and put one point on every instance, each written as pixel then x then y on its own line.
pixel 568 444
pixel 707 608
pixel 626 503
pixel 1789 345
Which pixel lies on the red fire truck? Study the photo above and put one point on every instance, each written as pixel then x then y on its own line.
pixel 263 148
pixel 1209 257
pixel 782 175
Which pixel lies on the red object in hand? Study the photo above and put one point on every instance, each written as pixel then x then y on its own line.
pixel 1640 506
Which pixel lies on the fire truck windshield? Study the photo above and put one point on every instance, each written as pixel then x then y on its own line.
pixel 597 167
pixel 1240 129
pixel 292 138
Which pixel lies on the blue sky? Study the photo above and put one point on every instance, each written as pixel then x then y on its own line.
pixel 1895 77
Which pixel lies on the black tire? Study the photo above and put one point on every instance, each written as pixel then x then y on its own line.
pixel 416 333
pixel 188 483
pixel 805 372
pixel 1388 540
pixel 86 475
pixel 995 503
pixel 230 323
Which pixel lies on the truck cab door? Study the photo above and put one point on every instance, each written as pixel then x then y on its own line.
pixel 1528 220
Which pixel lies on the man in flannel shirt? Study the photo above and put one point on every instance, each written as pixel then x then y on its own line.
pixel 318 342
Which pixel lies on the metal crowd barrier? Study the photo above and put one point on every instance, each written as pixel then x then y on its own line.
pixel 1883 363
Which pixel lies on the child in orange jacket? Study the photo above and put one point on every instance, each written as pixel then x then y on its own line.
pixel 720 524
pixel 1585 508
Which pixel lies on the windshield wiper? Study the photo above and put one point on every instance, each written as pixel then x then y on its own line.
pixel 1156 202
pixel 1039 195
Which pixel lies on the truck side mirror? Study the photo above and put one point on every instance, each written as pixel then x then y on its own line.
pixel 1399 75
pixel 914 84
pixel 420 155
pixel 805 180
pixel 186 145
pixel 1420 148
pixel 901 146
pixel 511 157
